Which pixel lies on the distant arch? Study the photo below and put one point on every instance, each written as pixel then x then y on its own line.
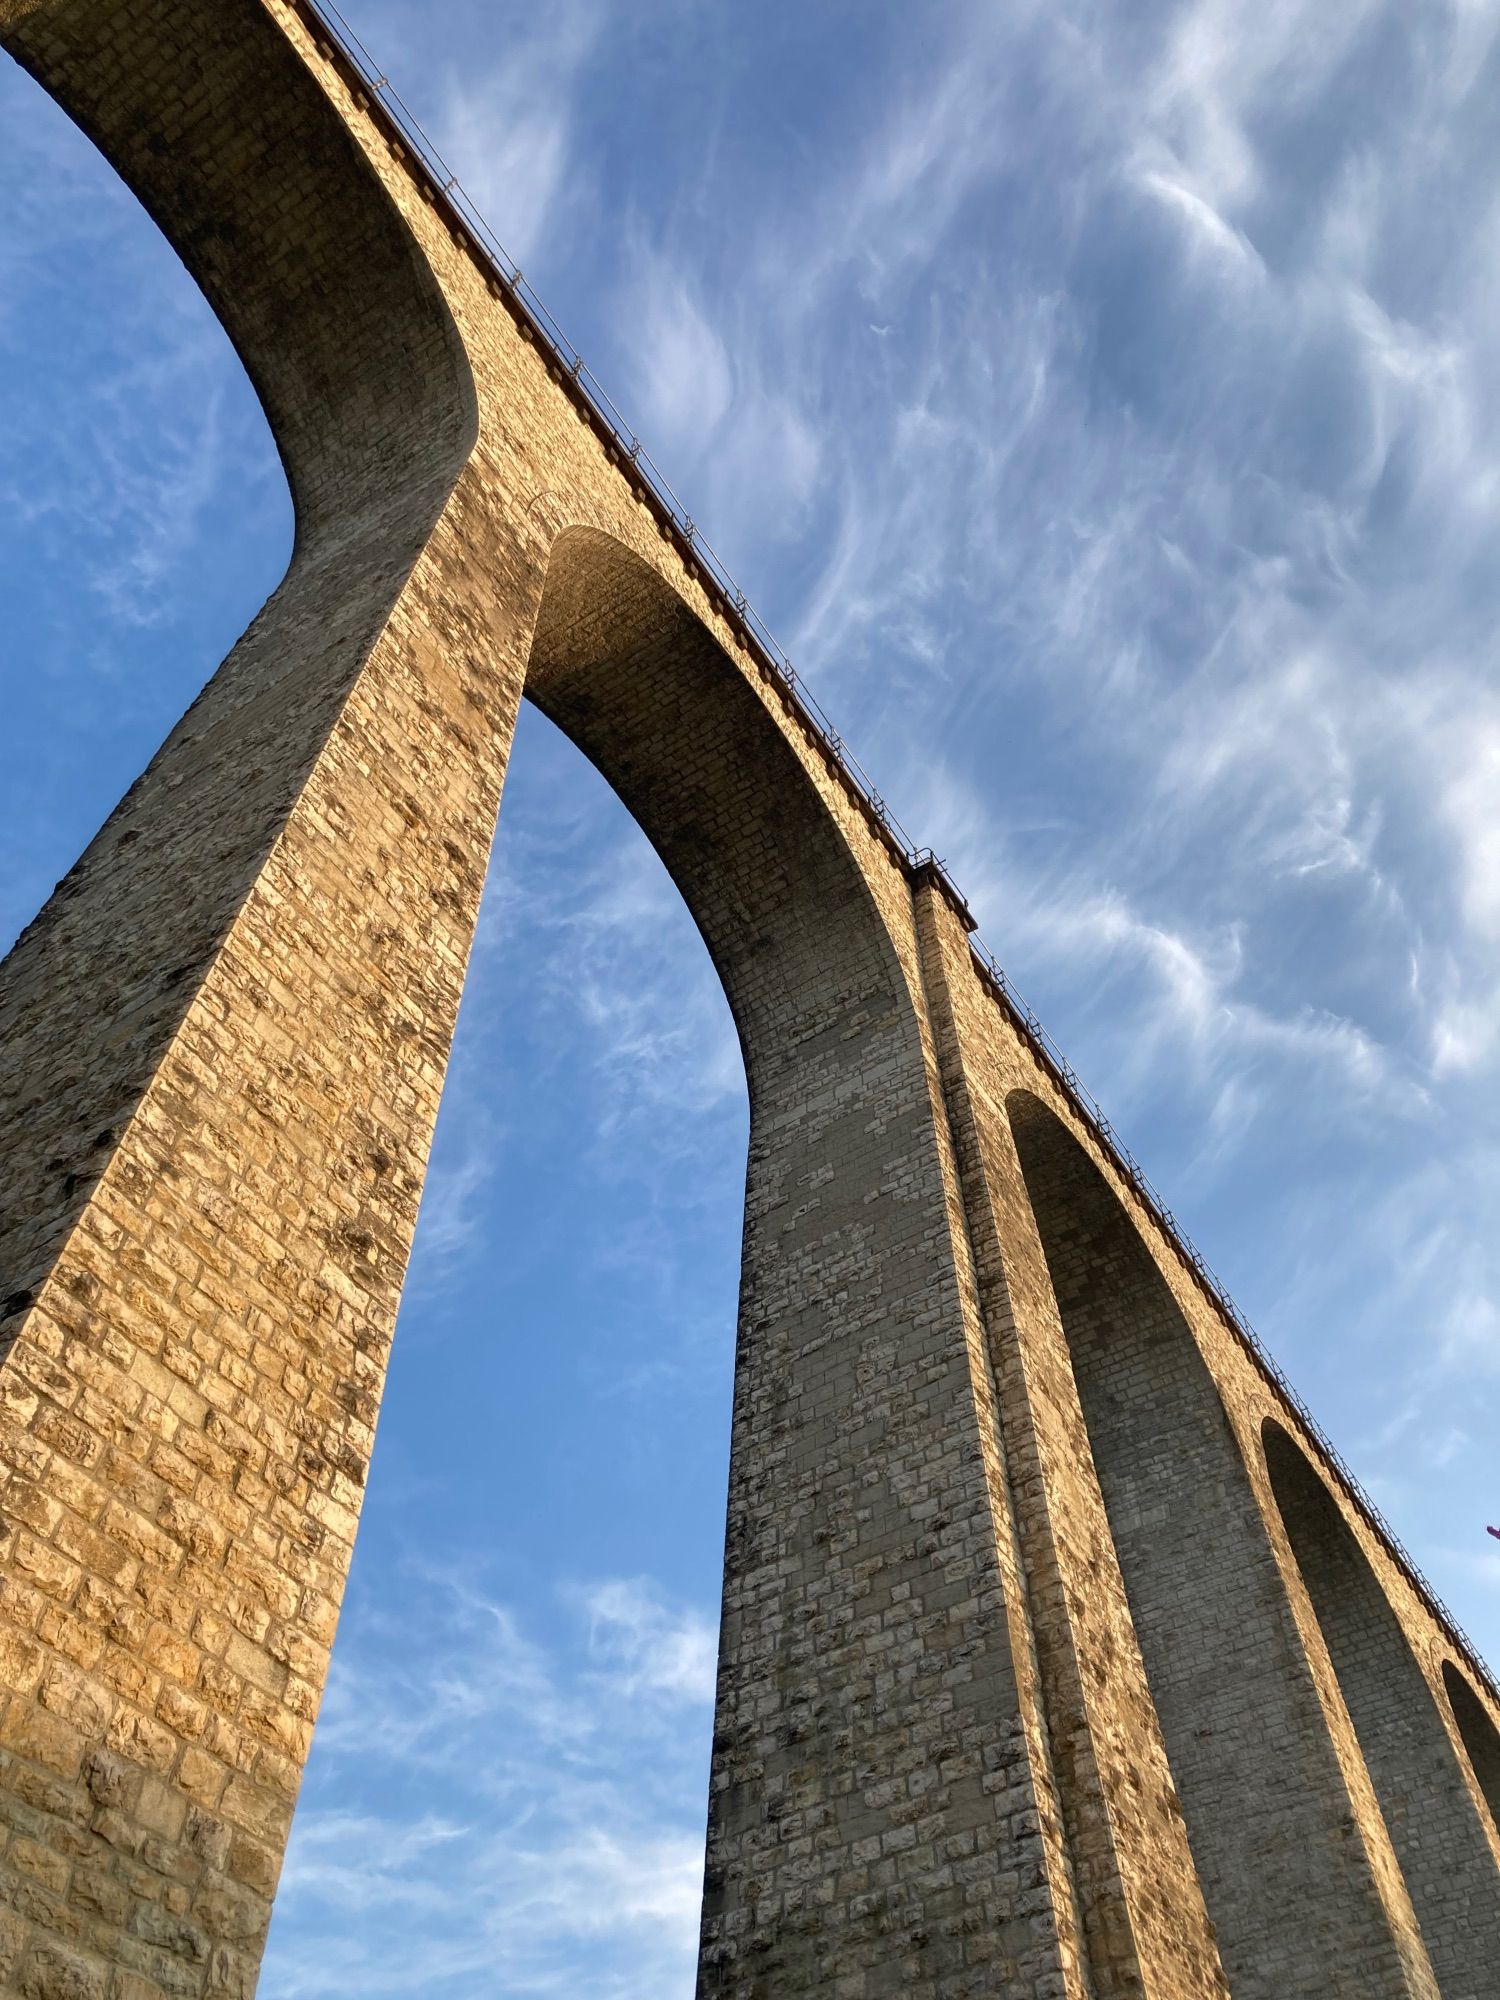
pixel 1263 1798
pixel 1440 1843
pixel 1477 1732
pixel 630 673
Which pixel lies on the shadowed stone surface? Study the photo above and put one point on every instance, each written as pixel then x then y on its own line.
pixel 1026 1680
pixel 1436 1824
pixel 1260 1787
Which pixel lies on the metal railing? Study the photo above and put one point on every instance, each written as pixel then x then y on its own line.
pixel 447 190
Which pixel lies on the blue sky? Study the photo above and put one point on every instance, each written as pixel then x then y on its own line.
pixel 1101 403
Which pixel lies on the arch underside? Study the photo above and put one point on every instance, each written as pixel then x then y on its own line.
pixel 623 666
pixel 1479 1736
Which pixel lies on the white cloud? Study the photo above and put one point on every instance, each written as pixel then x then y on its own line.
pixel 453 1210
pixel 509 126
pixel 1201 218
pixel 564 1790
pixel 131 430
pixel 652 1647
pixel 635 997
pixel 1472 807
pixel 683 380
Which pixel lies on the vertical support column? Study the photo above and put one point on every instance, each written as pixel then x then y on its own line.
pixel 873 1822
pixel 191 1385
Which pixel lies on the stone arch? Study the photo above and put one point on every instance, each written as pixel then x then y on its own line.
pixel 1439 1841
pixel 845 1263
pixel 1264 1803
pixel 1477 1732
pixel 346 336
pixel 351 348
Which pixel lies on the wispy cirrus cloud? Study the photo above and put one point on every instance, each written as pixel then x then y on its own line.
pixel 512 122
pixel 124 429
pixel 564 1773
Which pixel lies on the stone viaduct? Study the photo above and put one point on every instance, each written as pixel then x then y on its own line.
pixel 1058 1660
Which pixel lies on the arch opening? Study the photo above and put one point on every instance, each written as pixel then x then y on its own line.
pixel 1264 1804
pixel 541 1543
pixel 1440 1844
pixel 628 672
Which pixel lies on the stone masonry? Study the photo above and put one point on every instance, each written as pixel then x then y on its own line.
pixel 1058 1662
